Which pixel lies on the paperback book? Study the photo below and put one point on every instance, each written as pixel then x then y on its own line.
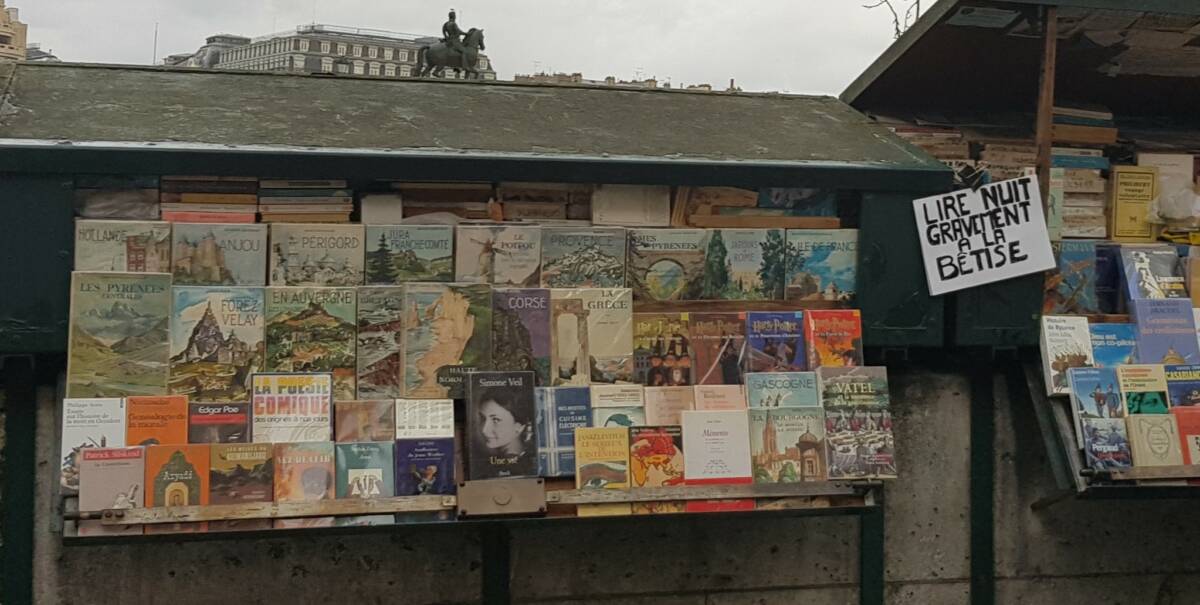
pixel 1183 385
pixel 1166 332
pixel 216 342
pixel 404 253
pixel 1106 443
pixel 380 340
pixel 88 423
pixel 823 264
pixel 602 462
pixel 1152 272
pixel 156 420
pixel 503 255
pixel 447 333
pixel 744 264
pixel 720 397
pixel 501 422
pixel 1109 298
pixel 218 254
pixel 1144 388
pixel 111 478
pixel 665 404
pixel 1065 344
pixel 316 255
pixel 313 330
pixel 304 472
pixel 177 475
pixel 366 470
pixel 775 342
pixel 612 416
pixel 241 473
pixel 583 257
pixel 782 390
pixel 666 264
pixel 1071 288
pixel 425 467
pixel 125 246
pixel 833 337
pixel 719 343
pixel 717 452
pixel 618 395
pixel 866 385
pixel 424 418
pixel 1095 393
pixel 1113 344
pixel 227 422
pixel 662 349
pixel 291 408
pixel 521 332
pixel 560 411
pixel 859 442
pixel 569 354
pixel 609 313
pixel 1188 422
pixel 1154 440
pixel 364 420
pixel 787 444
pixel 119 334
pixel 656 460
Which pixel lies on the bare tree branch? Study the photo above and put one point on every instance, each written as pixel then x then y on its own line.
pixel 911 10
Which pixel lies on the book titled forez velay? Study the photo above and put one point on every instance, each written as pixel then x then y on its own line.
pixel 501 425
pixel 216 341
pixel 292 408
pixel 316 255
pixel 403 253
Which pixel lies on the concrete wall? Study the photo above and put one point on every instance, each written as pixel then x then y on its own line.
pixel 1075 552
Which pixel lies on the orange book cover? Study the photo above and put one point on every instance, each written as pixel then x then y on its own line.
pixel 177 475
pixel 304 472
pixel 833 337
pixel 157 420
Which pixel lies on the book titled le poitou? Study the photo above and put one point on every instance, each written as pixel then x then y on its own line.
pixel 662 350
pixel 521 331
pixel 1152 271
pixel 501 425
pixel 719 343
pixel 366 420
pixel 1166 332
pixel 425 467
pixel 1065 343
pixel 775 342
pixel 823 264
pixel 859 442
pixel 656 460
pixel 833 337
pixel 240 473
pixel 1154 440
pixel 126 246
pixel 421 418
pixel 404 253
pixel 1113 344
pixel 717 452
pixel 1144 388
pixel 666 264
pixel 112 478
pixel 744 264
pixel 161 420
pixel 447 334
pixel 560 410
pixel 316 255
pixel 216 342
pixel 720 396
pixel 665 404
pixel 602 462
pixel 863 385
pixel 380 350
pixel 313 330
pixel 503 255
pixel 227 422
pixel 291 408
pixel 1183 385
pixel 304 472
pixel 88 423
pixel 119 341
pixel 177 475
pixel 583 257
pixel 212 254
pixel 787 445
pixel 365 471
pixel 782 390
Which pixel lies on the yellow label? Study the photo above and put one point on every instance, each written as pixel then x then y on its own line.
pixel 1133 189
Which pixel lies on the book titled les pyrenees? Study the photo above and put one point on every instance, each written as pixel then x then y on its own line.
pixel 1166 332
pixel 718 453
pixel 501 425
pixel 292 408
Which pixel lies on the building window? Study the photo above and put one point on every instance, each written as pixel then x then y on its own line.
pixel 388 53
pixel 373 69
pixel 489 76
pixel 304 44
pixel 325 47
pixel 341 49
pixel 482 62
pixel 403 55
pixel 343 68
pixel 327 65
pixel 358 67
pixel 298 61
pixel 389 70
pixel 405 71
pixel 357 50
pixel 373 51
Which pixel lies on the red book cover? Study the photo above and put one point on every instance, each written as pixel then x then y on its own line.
pixel 208 217
pixel 1188 419
pixel 156 420
pixel 176 475
pixel 833 337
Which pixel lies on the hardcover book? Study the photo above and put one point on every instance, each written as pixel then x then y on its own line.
pixel 366 470
pixel 1071 288
pixel 664 404
pixel 666 264
pixel 312 330
pixel 618 395
pixel 611 416
pixel 744 264
pixel 1183 385
pixel 656 460
pixel 219 422
pixel 1108 277
pixel 111 478
pixel 560 411
pixel 521 331
pixel 1113 344
pixel 1144 388
pixel 822 265
pixel 787 444
pixel 304 472
pixel 119 341
pixel 218 254
pixel 424 418
pixel 447 333
pixel 570 359
pixel 1166 332
pixel 125 246
pixel 291 408
pixel 583 257
pixel 866 385
pixel 1154 440
pixel 719 343
pixel 662 350
pixel 241 473
pixel 720 397
pixel 316 255
pixel 88 423
pixel 1106 443
pixel 609 313
pixel 216 342
pixel 631 205
pixel 404 253
pixel 425 467
pixel 782 390
pixel 366 420
pixel 775 342
pixel 859 442
pixel 380 350
pixel 1095 393
pixel 503 255
pixel 156 420
pixel 1152 272
pixel 833 337
pixel 1065 343
pixel 717 452
pixel 177 475
pixel 602 462
pixel 501 417
pixel 1188 421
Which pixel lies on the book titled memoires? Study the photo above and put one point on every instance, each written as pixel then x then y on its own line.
pixel 787 444
pixel 447 334
pixel 88 423
pixel 574 257
pixel 404 253
pixel 119 342
pixel 367 420
pixel 560 410
pixel 775 342
pixel 602 462
pixel 216 341
pixel 211 254
pixel 719 344
pixel 156 420
pixel 316 255
pixel 666 264
pixel 1152 271
pixel 656 460
pixel 521 331
pixel 177 475
pixel 126 246
pixel 503 255
pixel 1166 331
pixel 227 422
pixel 366 470
pixel 782 390
pixel 833 337
pixel 1065 344
pixel 1113 344
pixel 112 478
pixel 292 407
pixel 501 425
pixel 823 264
pixel 717 452
pixel 425 467
pixel 313 330
pixel 240 473
pixel 304 472
pixel 380 351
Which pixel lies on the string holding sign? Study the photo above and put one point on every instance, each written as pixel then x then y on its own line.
pixel 975 237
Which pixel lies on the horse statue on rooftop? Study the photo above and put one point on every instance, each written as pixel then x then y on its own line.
pixel 434 59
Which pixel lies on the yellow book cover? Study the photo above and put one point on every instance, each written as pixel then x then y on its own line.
pixel 602 462
pixel 1133 190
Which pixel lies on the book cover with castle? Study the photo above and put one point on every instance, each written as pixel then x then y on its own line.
pixel 860 385
pixel 211 254
pixel 380 350
pixel 592 257
pixel 290 408
pixel 316 255
pixel 447 333
pixel 241 473
pixel 177 475
pixel 502 255
pixel 313 330
pixel 719 343
pixel 1071 287
pixel 744 264
pixel 119 334
pixel 859 442
pixel 402 253
pixel 662 349
pixel 112 478
pixel 521 332
pixel 125 246
pixel 833 337
pixel 304 472
pixel 216 342
pixel 88 423
pixel 822 264
pixel 666 264
pixel 775 341
pixel 787 444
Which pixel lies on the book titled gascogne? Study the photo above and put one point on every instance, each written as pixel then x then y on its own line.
pixel 447 333
pixel 403 253
pixel 292 407
pixel 312 330
pixel 501 425
pixel 216 342
pixel 316 255
pixel 207 254
pixel 380 353
pixel 119 343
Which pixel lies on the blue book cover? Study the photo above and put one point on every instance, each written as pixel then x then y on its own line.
pixel 1079 161
pixel 425 466
pixel 1183 385
pixel 1071 287
pixel 782 390
pixel 1152 272
pixel 1166 332
pixel 775 341
pixel 560 411
pixel 1108 278
pixel 1095 393
pixel 1113 344
pixel 822 264
pixel 1106 443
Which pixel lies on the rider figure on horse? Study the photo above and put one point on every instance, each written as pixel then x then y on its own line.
pixel 452 35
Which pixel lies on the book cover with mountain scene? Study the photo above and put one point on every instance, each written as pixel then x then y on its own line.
pixel 521 331
pixel 666 264
pixel 312 330
pixel 208 254
pixel 119 334
pixel 448 333
pixel 583 257
pixel 404 253
pixel 380 352
pixel 216 342
pixel 822 264
pixel 1071 287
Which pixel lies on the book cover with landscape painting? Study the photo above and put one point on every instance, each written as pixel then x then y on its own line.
pixel 861 385
pixel 316 255
pixel 241 473
pixel 126 246
pixel 719 343
pixel 503 255
pixel 216 342
pixel 666 264
pixel 823 264
pixel 521 331
pixel 313 330
pixel 662 349
pixel 403 253
pixel 859 442
pixel 211 254
pixel 380 342
pixel 744 264
pixel 119 334
pixel 588 257
pixel 448 333
pixel 607 319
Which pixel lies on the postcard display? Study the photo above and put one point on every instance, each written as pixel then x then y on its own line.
pixel 223 361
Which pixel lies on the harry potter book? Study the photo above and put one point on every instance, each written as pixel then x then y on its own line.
pixel 312 330
pixel 448 333
pixel 560 411
pixel 583 257
pixel 501 425
pixel 666 264
pixel 822 264
pixel 316 255
pixel 503 255
pixel 744 264
pixel 833 337
pixel 292 408
pixel 717 447
pixel 1183 385
pixel 775 342
pixel 1154 440
pixel 421 418
pixel 662 349
pixel 240 473
pixel 720 396
pixel 787 444
pixel 656 460
pixel 125 246
pixel 215 254
pixel 1152 271
pixel 119 340
pixel 865 385
pixel 1065 343
pixel 1144 388
pixel 425 467
pixel 227 422
pixel 216 342
pixel 367 420
pixel 521 331
pixel 665 404
pixel 782 390
pixel 406 253
pixel 859 442
pixel 304 472
pixel 1166 332
pixel 602 462
pixel 88 423
pixel 177 475
pixel 1113 344
pixel 380 350
pixel 719 343
pixel 156 420
pixel 110 478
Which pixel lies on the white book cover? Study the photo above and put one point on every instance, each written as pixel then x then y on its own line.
pixel 498 254
pixel 127 246
pixel 424 418
pixel 632 205
pixel 316 255
pixel 86 423
pixel 382 209
pixel 111 478
pixel 716 447
pixel 618 395
pixel 1065 343
pixel 665 404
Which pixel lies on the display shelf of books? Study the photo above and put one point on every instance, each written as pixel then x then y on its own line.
pixel 238 372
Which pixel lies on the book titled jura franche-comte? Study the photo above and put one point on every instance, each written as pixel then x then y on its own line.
pixel 404 253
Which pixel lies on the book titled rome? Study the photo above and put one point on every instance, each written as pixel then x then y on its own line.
pixel 313 330
pixel 521 331
pixel 316 255
pixel 501 425
pixel 111 478
pixel 119 340
pixel 291 407
pixel 775 341
pixel 125 246
pixel 380 351
pixel 177 475
pixel 575 257
pixel 240 473
pixel 504 255
pixel 833 337
pixel 404 253
pixel 666 264
pixel 304 472
pixel 88 423
pixel 447 334
pixel 216 254
pixel 425 467
pixel 1166 331
pixel 744 264
pixel 216 342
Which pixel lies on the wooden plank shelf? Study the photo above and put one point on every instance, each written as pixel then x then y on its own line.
pixel 269 510
pixel 734 306
pixel 708 492
pixel 1146 473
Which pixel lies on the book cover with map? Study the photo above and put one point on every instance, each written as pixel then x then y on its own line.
pixel 1152 271
pixel 316 255
pixel 365 420
pixel 380 342
pixel 313 330
pixel 425 467
pixel 1065 343
pixel 521 331
pixel 859 442
pixel 214 254
pixel 666 264
pixel 88 423
pixel 291 408
pixel 583 257
pixel 304 472
pixel 656 460
pixel 156 420
pixel 119 334
pixel 112 478
pixel 744 264
pixel 501 425
pixel 216 342
pixel 404 253
pixel 823 264
pixel 503 255
pixel 447 333
pixel 560 411
pixel 833 337
pixel 787 445
pixel 1071 287
pixel 662 349
pixel 719 343
pixel 1144 388
pixel 125 246
pixel 775 341
pixel 602 462
pixel 1166 331
pixel 863 385
pixel 421 418
pixel 1183 385
pixel 782 390
pixel 227 422
pixel 1113 344
pixel 241 473
pixel 177 475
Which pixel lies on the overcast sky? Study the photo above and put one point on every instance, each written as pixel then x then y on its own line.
pixel 798 46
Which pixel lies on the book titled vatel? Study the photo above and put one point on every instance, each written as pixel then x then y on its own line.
pixel 717 452
pixel 1166 332
pixel 501 425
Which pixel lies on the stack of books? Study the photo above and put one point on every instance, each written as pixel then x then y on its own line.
pixel 1008 160
pixel 1078 125
pixel 305 201
pixel 208 199
pixel 1081 173
pixel 464 200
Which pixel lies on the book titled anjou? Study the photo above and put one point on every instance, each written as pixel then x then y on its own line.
pixel 501 420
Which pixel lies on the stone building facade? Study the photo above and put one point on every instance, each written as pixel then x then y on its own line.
pixel 12 35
